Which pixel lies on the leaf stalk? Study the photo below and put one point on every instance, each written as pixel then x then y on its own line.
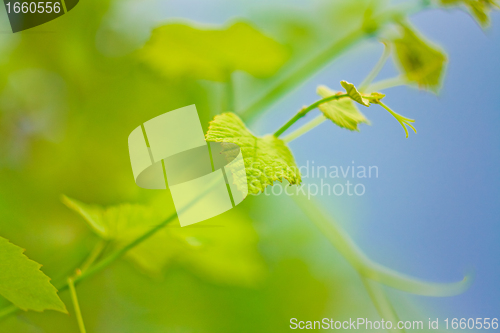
pixel 306 110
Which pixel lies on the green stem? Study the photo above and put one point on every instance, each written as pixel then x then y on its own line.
pixel 382 303
pixel 117 254
pixel 299 76
pixel 101 264
pixel 387 83
pixel 76 305
pixel 367 268
pixel 304 129
pixel 311 67
pixel 376 70
pixel 305 111
pixel 94 255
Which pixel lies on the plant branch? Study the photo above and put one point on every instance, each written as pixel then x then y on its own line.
pixel 76 305
pixel 305 111
pixel 387 83
pixel 94 255
pixel 376 70
pixel 299 75
pixel 367 268
pixel 311 67
pixel 104 263
pixel 119 253
pixel 82 275
pixel 382 303
pixel 305 128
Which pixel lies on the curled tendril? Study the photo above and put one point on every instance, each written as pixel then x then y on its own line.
pixel 401 119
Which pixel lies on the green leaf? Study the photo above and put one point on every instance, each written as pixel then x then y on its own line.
pixel 226 253
pixel 222 250
pixel 118 222
pixel 342 112
pixel 354 93
pixel 22 282
pixel 213 54
pixel 267 159
pixel 419 60
pixel 479 9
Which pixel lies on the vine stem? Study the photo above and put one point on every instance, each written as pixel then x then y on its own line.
pixel 366 267
pixel 295 78
pixel 305 128
pixel 387 83
pixel 291 81
pixel 100 265
pixel 382 303
pixel 107 261
pixel 94 255
pixel 305 111
pixel 287 84
pixel 313 123
pixel 376 70
pixel 119 253
pixel 76 305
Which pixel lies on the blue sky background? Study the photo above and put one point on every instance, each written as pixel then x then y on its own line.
pixel 433 212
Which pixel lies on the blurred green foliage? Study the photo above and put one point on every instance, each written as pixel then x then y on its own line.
pixel 213 54
pixel 66 109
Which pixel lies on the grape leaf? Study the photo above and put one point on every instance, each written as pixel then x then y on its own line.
pixel 354 93
pixel 222 250
pixel 342 112
pixel 419 60
pixel 118 222
pixel 267 159
pixel 22 282
pixel 225 253
pixel 212 54
pixel 479 9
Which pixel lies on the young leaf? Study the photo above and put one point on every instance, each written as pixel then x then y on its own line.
pixel 224 254
pixel 222 250
pixel 479 9
pixel 267 159
pixel 22 282
pixel 212 54
pixel 342 112
pixel 354 93
pixel 118 222
pixel 419 60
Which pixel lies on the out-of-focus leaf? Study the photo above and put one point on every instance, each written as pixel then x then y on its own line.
pixel 354 93
pixel 267 159
pixel 419 60
pixel 26 118
pixel 348 15
pixel 22 282
pixel 223 253
pixel 479 9
pixel 342 112
pixel 213 54
pixel 118 222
